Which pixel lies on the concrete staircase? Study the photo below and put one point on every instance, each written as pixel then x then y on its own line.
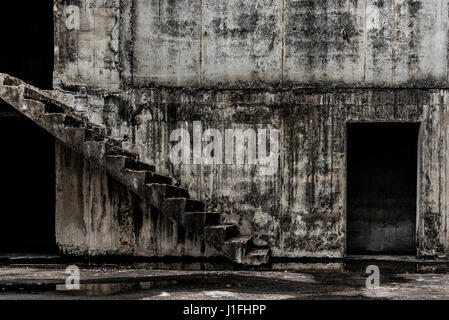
pixel 92 142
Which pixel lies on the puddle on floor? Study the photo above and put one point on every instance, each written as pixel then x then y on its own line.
pixel 116 287
pixel 256 284
pixel 107 289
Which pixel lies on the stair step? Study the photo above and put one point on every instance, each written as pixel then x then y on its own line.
pixel 135 179
pixel 240 240
pixel 157 194
pixel 88 134
pixel 176 208
pixel 11 82
pixel 194 205
pixel 212 219
pixel 30 93
pixel 118 163
pixel 52 108
pixel 11 94
pixel 112 142
pixel 171 191
pixel 196 221
pixel 74 136
pixel 257 257
pixel 139 166
pixel 144 178
pixel 154 178
pixel 236 248
pixel 93 150
pixel 54 118
pixel 113 150
pixel 34 106
pixel 100 149
pixel 70 121
pixel 216 236
pixel 98 130
pixel 229 229
pixel 51 105
pixel 92 135
pixel 64 120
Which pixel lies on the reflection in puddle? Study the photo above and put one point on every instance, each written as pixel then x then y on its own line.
pixel 105 289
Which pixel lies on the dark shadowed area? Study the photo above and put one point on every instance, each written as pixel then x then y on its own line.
pixel 27 185
pixel 26 30
pixel 28 152
pixel 382 187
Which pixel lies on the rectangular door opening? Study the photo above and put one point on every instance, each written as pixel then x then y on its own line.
pixel 382 188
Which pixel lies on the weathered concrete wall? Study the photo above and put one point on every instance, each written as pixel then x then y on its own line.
pixel 242 42
pixel 86 43
pixel 301 210
pixel 96 215
pixel 244 64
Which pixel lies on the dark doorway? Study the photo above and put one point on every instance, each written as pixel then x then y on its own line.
pixel 26 31
pixel 382 188
pixel 27 188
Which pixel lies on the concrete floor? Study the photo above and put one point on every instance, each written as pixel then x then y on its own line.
pixel 404 279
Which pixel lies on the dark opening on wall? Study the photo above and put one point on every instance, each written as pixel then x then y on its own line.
pixel 26 32
pixel 27 187
pixel 382 188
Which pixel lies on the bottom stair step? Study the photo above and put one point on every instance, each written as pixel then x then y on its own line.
pixel 157 178
pixel 196 221
pixel 240 241
pixel 236 248
pixel 176 208
pixel 216 236
pixel 257 257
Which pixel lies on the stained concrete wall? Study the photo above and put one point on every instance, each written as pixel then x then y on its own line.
pixel 245 42
pixel 301 210
pixel 144 68
pixel 86 43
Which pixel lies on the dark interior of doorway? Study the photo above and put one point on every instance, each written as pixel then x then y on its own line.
pixel 382 188
pixel 26 29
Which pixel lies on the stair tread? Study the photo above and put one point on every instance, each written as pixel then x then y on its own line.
pixel 185 199
pixel 54 113
pixel 168 185
pixel 129 162
pixel 258 252
pixel 202 218
pixel 137 171
pixel 116 156
pixel 77 128
pixel 114 152
pixel 205 212
pixel 11 82
pixel 33 101
pixel 222 226
pixel 240 239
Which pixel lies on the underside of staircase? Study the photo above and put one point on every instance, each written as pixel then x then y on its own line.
pixel 92 142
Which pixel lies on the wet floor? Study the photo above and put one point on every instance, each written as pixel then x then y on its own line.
pixel 165 281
